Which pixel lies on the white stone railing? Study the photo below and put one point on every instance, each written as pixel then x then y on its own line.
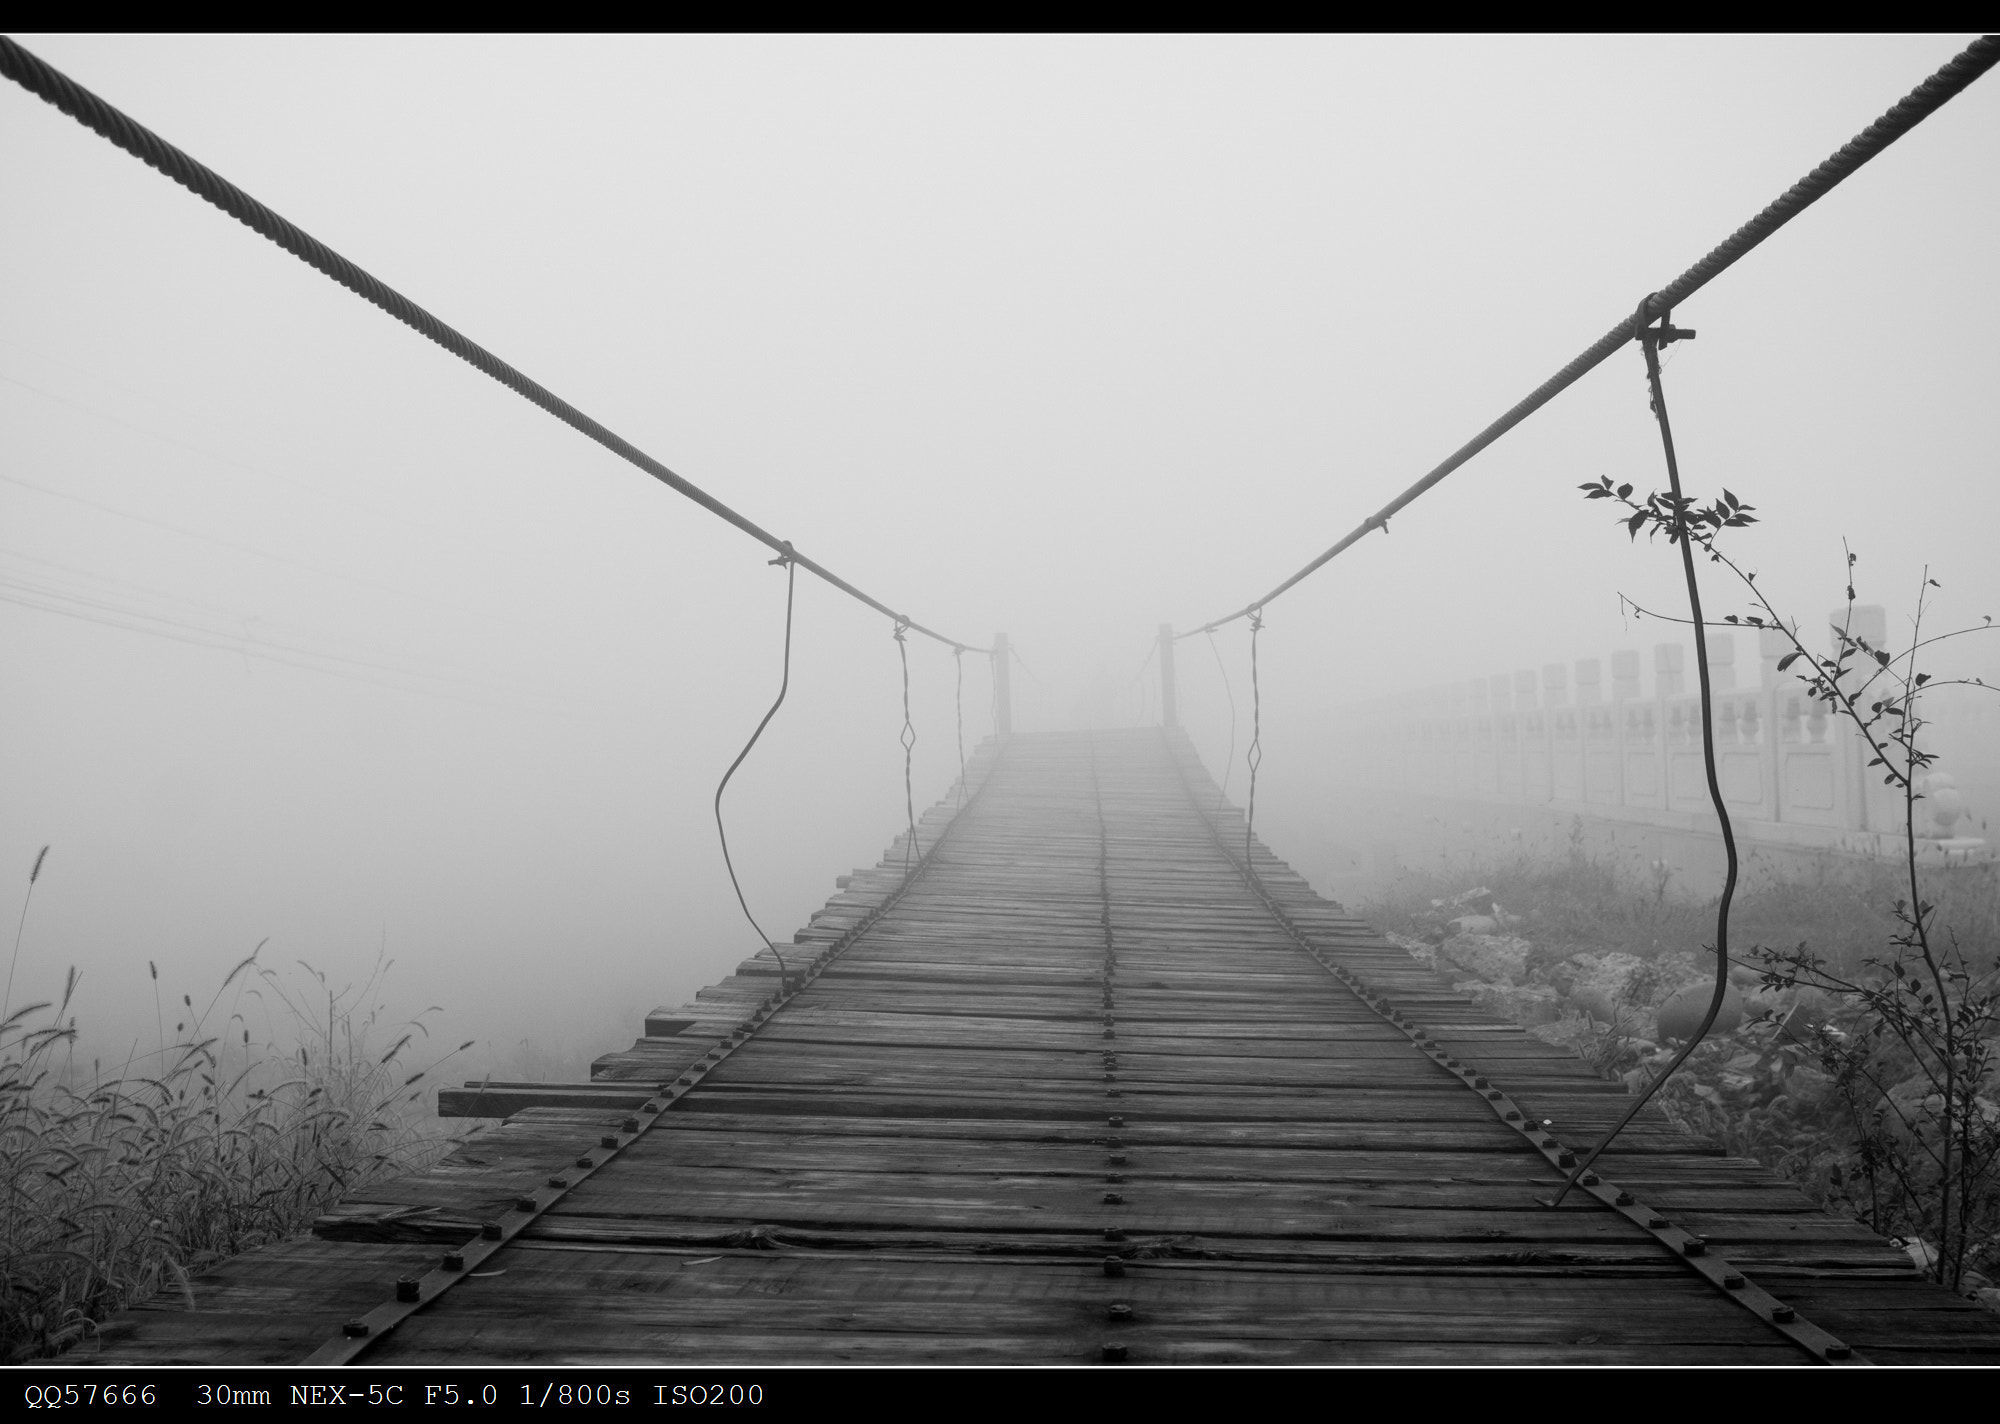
pixel 1561 735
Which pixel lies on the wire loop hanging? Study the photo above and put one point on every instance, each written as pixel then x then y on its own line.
pixel 1255 756
pixel 909 741
pixel 790 566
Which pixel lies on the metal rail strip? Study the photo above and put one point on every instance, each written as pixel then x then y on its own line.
pixel 413 1293
pixel 1686 1247
pixel 1111 1351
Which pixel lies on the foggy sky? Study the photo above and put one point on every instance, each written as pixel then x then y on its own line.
pixel 1062 337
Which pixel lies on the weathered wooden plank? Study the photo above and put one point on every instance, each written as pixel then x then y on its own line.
pixel 711 1307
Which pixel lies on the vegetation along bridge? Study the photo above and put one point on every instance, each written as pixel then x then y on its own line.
pixel 1064 1084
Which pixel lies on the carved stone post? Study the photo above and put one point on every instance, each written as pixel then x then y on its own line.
pixel 1668 679
pixel 1721 660
pixel 1625 675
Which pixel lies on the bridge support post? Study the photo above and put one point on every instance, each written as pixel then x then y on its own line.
pixel 1003 698
pixel 1169 707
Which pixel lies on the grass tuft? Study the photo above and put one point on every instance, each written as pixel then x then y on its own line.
pixel 117 1185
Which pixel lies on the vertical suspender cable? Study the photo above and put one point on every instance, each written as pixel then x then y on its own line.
pixel 1651 338
pixel 790 566
pixel 909 740
pixel 1255 756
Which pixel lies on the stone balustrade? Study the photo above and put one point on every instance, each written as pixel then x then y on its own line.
pixel 1565 734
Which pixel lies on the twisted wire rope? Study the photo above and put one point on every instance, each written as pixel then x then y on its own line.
pixel 46 82
pixel 1916 106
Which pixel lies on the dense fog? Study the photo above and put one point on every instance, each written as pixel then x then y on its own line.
pixel 315 636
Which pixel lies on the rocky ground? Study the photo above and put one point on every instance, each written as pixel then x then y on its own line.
pixel 1756 1082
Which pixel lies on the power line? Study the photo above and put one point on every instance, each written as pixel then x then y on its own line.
pixel 241 471
pixel 95 605
pixel 231 544
pixel 112 616
pixel 1919 104
pixel 46 82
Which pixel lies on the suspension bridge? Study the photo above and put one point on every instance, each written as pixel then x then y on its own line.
pixel 1078 1072
pixel 1077 1085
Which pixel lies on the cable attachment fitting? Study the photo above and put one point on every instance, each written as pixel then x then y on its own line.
pixel 784 560
pixel 1665 334
pixel 1376 521
pixel 902 627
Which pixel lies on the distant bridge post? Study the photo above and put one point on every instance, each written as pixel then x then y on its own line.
pixel 1169 708
pixel 1003 699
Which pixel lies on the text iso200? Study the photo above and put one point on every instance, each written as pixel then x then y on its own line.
pixel 710 1394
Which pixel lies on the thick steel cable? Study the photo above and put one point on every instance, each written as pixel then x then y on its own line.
pixel 1919 104
pixel 1254 758
pixel 43 80
pixel 909 741
pixel 784 685
pixel 1651 338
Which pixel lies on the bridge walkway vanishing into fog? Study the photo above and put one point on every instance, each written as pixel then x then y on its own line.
pixel 1073 1092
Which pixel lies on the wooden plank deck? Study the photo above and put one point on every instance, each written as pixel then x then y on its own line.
pixel 914 1160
